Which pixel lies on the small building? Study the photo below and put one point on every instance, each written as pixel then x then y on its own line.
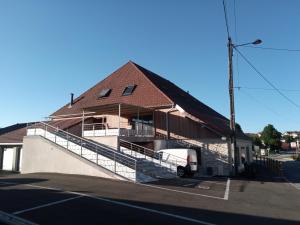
pixel 136 107
pixel 11 143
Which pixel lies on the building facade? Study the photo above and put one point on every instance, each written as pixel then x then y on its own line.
pixel 134 105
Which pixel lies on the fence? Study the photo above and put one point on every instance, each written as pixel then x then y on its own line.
pixel 273 165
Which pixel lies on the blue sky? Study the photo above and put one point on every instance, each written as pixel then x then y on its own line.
pixel 49 49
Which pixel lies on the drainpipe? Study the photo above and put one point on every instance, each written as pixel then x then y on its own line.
pixel 138 120
pixel 119 119
pixel 1 157
pixel 82 127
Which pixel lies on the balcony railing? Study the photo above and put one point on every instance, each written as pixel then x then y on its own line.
pixel 103 129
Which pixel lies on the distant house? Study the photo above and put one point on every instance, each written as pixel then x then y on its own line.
pixel 11 141
pixel 296 136
pixel 136 107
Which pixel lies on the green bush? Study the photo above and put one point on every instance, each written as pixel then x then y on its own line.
pixel 296 157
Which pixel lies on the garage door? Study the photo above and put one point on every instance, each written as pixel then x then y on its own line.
pixel 8 158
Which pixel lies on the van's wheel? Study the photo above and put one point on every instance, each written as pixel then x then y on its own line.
pixel 180 171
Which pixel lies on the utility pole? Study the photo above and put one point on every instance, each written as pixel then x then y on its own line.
pixel 232 110
pixel 231 46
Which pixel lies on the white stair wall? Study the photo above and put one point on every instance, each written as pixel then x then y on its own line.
pixel 103 161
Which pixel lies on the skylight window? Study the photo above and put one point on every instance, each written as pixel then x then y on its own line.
pixel 129 90
pixel 104 93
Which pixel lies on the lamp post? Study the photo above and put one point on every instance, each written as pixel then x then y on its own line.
pixel 231 46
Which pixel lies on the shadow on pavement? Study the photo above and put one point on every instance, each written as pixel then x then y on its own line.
pixel 113 211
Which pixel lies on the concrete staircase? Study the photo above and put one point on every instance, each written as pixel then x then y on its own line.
pixel 149 162
pixel 125 166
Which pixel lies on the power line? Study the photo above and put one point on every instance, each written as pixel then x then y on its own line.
pixel 260 103
pixel 265 79
pixel 267 89
pixel 274 49
pixel 226 19
pixel 236 39
pixel 234 13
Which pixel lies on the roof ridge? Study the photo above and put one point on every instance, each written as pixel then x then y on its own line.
pixel 154 85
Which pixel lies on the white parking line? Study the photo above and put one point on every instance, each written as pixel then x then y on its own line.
pixel 8 218
pixel 183 192
pixel 292 184
pixel 113 202
pixel 187 185
pixel 46 205
pixel 213 182
pixel 226 194
pixel 154 211
pixel 203 187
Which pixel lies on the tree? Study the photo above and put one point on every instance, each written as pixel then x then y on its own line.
pixel 271 137
pixel 256 140
pixel 238 127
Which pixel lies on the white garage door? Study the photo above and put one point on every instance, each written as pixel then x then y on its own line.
pixel 8 158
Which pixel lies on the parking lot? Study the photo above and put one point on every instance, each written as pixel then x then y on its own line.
pixel 217 188
pixel 72 199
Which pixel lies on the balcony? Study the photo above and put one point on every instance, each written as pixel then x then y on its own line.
pixel 103 129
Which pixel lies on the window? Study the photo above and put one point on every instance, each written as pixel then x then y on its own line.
pixel 128 90
pixel 104 93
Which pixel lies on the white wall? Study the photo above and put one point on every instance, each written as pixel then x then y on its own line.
pixel 8 159
pixel 111 141
pixel 41 155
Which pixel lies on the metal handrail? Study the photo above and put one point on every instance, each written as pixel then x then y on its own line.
pixel 149 149
pixel 98 149
pixel 168 165
pixel 83 139
pixel 122 131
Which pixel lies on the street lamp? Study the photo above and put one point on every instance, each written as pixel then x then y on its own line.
pixel 256 42
pixel 231 96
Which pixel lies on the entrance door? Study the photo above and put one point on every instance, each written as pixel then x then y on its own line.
pixel 8 157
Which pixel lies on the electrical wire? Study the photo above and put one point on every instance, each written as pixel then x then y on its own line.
pixel 226 19
pixel 259 102
pixel 266 80
pixel 267 89
pixel 274 49
pixel 236 40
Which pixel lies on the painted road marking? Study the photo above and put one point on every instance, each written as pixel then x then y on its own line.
pixel 207 181
pixel 226 194
pixel 203 187
pixel 187 185
pixel 7 183
pixel 122 204
pixel 154 211
pixel 292 184
pixel 46 205
pixel 183 192
pixel 213 182
pixel 8 218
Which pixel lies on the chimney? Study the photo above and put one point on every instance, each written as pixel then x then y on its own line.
pixel 72 100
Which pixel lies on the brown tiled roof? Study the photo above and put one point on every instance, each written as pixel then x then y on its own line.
pixel 145 94
pixel 152 91
pixel 191 105
pixel 13 134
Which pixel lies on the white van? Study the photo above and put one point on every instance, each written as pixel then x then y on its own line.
pixel 186 160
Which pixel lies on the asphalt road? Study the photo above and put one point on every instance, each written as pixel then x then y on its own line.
pixel 70 199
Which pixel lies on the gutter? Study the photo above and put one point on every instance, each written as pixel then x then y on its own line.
pixel 11 144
